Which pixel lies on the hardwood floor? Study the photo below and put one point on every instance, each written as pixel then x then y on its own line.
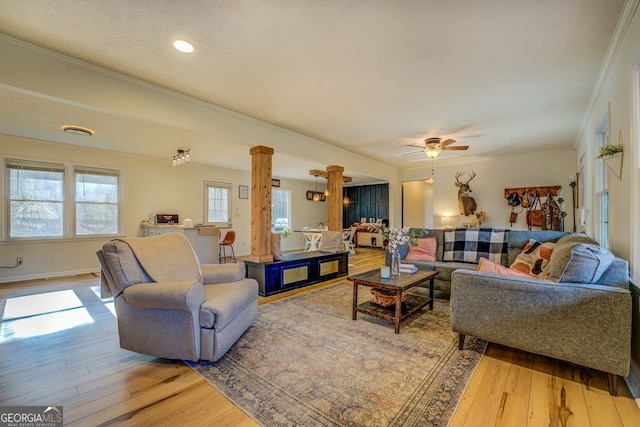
pixel 70 357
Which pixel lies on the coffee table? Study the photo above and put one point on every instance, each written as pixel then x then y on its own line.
pixel 398 285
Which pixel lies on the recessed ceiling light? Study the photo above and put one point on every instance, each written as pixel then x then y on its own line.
pixel 77 130
pixel 183 46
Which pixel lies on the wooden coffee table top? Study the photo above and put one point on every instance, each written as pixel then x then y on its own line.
pixel 403 281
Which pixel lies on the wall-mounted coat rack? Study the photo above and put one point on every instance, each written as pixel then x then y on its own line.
pixel 541 191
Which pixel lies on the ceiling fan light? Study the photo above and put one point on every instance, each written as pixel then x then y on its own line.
pixel 432 153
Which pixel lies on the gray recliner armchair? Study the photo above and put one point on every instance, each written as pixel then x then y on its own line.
pixel 170 306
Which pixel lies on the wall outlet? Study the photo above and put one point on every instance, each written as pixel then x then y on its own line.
pixel 20 260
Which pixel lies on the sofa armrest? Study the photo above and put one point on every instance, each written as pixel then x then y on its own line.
pixel 222 273
pixel 185 295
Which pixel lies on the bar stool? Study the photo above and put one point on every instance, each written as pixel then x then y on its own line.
pixel 229 238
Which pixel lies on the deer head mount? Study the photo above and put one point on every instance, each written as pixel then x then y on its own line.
pixel 466 203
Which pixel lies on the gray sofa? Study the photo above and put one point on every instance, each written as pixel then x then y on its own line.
pixel 170 306
pixel 517 240
pixel 582 316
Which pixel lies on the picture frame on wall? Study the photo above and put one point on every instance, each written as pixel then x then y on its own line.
pixel 243 191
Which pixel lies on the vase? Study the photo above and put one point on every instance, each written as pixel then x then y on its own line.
pixel 395 262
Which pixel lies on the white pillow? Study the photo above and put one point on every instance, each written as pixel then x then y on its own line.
pixel 275 247
pixel 331 241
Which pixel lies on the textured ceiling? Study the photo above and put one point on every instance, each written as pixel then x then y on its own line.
pixel 368 76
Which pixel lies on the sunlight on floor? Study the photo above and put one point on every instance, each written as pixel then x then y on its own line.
pixel 44 324
pixel 41 314
pixel 32 305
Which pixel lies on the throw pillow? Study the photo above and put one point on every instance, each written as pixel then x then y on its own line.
pixel 331 241
pixel 471 244
pixel 276 251
pixel 425 250
pixel 563 255
pixel 489 266
pixel 585 263
pixel 534 259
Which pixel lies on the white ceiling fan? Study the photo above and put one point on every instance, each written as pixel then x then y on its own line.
pixel 433 146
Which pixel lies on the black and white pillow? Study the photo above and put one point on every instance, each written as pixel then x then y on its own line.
pixel 471 244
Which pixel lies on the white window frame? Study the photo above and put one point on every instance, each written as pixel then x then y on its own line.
pixel 288 216
pixel 18 165
pixel 68 202
pixel 602 189
pixel 219 185
pixel 78 170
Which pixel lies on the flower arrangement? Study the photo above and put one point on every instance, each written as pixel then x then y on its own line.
pixel 396 237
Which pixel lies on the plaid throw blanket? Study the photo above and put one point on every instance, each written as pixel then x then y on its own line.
pixel 471 244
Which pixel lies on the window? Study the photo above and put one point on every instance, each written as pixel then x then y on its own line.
pixel 602 190
pixel 280 210
pixel 39 207
pixel 36 199
pixel 96 199
pixel 217 203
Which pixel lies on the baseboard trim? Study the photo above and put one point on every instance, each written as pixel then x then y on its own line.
pixel 48 276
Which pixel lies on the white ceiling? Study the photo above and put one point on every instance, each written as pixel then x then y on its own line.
pixel 368 76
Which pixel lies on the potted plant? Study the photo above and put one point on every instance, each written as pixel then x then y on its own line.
pixel 610 150
pixel 611 154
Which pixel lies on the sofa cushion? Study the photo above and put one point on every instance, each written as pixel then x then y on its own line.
pixel 489 266
pixel 534 258
pixel 276 250
pixel 471 244
pixel 424 250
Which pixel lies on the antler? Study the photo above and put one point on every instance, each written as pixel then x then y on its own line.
pixel 471 176
pixel 458 175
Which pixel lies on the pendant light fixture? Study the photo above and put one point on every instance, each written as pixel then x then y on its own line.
pixel 316 195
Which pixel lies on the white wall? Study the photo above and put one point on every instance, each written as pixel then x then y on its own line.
pixel 546 168
pixel 417 202
pixel 149 185
pixel 616 89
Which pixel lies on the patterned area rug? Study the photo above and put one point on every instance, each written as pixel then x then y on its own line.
pixel 306 363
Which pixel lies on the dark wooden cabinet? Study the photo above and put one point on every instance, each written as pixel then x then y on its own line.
pixel 298 270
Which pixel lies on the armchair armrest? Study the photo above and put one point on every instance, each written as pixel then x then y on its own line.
pixel 185 295
pixel 222 273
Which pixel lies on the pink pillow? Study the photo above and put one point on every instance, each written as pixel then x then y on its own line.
pixel 489 266
pixel 424 251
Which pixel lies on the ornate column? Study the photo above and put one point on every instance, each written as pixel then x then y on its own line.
pixel 261 204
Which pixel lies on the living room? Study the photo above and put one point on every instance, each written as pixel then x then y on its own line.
pixel 151 185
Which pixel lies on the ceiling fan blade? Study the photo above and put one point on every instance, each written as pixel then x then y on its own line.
pixel 413 145
pixel 409 153
pixel 447 142
pixel 460 147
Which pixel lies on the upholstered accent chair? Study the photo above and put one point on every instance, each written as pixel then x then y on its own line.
pixel 170 306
